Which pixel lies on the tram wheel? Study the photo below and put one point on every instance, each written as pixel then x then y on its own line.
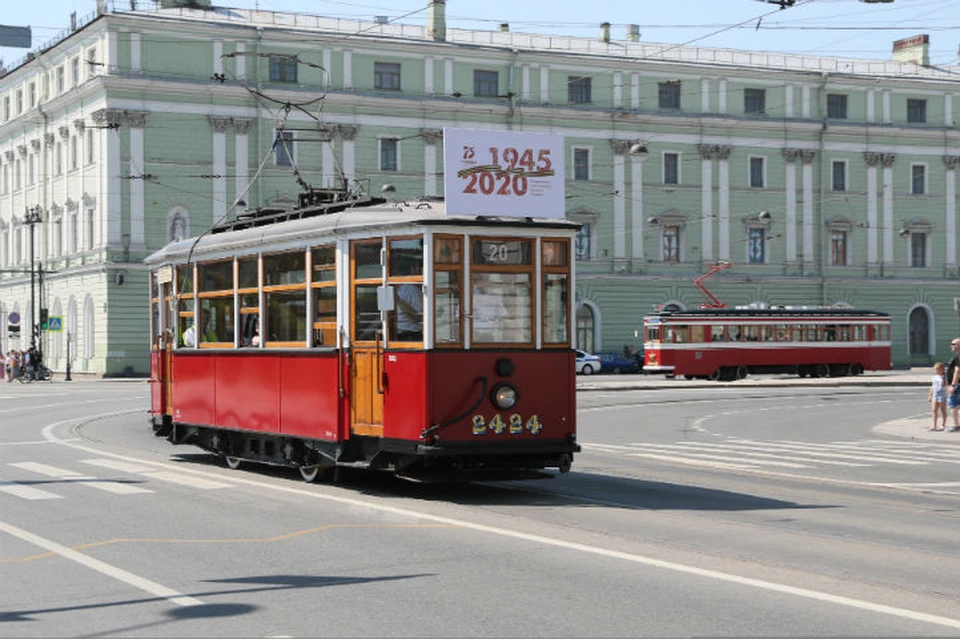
pixel 309 473
pixel 233 463
pixel 714 376
pixel 741 372
pixel 822 370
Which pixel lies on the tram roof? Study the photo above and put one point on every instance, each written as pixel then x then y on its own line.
pixel 313 223
pixel 768 313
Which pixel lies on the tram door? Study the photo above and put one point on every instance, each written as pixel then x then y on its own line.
pixel 366 338
pixel 165 329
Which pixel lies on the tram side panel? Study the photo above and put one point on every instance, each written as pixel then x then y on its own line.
pixel 194 388
pixel 310 405
pixel 404 394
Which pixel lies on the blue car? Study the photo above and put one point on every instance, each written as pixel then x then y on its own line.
pixel 617 363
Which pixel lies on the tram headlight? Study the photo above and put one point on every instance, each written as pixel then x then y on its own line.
pixel 504 396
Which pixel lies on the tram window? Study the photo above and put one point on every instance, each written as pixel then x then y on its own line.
pixel 718 333
pixel 184 279
pixel 844 333
pixel 324 316
pixel 215 276
pixel 752 333
pixel 501 307
pixel 783 333
pixel 860 333
pixel 324 262
pixel 405 257
pixel 286 313
pixel 184 319
pixel 696 334
pixel 367 315
pixel 653 333
pixel 830 332
pixel 555 308
pixel 247 273
pixel 446 250
pixel 447 302
pixel 406 320
pixel 767 332
pixel 554 253
pixel 284 268
pixel 250 329
pixel 813 334
pixel 216 320
pixel 735 333
pixel 682 334
pixel 366 260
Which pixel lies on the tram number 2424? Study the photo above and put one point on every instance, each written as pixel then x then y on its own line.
pixel 515 425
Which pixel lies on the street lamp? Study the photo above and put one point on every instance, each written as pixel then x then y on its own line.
pixel 32 218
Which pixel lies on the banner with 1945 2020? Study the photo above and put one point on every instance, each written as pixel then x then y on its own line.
pixel 503 173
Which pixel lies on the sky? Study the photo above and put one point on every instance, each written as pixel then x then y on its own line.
pixel 844 28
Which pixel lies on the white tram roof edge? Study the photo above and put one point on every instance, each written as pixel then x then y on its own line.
pixel 315 227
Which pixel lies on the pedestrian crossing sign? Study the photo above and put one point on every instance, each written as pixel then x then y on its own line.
pixel 55 323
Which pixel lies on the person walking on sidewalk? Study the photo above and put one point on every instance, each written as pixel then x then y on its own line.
pixel 953 383
pixel 937 396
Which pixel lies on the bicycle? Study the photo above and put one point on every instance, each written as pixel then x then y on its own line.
pixel 42 374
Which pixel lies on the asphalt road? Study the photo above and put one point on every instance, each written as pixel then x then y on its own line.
pixel 675 522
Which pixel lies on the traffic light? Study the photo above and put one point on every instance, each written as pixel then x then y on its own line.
pixel 43 319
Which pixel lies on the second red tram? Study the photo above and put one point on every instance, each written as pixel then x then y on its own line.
pixel 728 344
pixel 371 334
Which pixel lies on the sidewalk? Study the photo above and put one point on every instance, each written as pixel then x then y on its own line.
pixel 913 428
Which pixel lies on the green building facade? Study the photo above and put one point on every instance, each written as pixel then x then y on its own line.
pixel 823 180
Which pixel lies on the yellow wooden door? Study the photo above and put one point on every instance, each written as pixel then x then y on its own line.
pixel 366 397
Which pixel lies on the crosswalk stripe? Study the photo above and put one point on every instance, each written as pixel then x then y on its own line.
pixel 744 450
pixel 186 480
pixel 116 464
pixel 26 492
pixel 114 487
pixel 815 450
pixel 693 462
pixel 666 448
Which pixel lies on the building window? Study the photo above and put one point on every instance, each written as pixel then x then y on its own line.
pixel 73 151
pixel 838 176
pixel 755 101
pixel 486 84
pixel 579 89
pixel 919 323
pixel 284 148
pixel 58 159
pixel 671 168
pixel 582 244
pixel 283 68
pixel 918 179
pixel 838 248
pixel 836 106
pixel 669 95
pixel 17 178
pixel 386 76
pixel 389 159
pixel 31 171
pixel 75 71
pixel 6 108
pixel 916 111
pixel 918 250
pixel 756 173
pixel 32 95
pixel 61 80
pixel 586 328
pixel 671 243
pixel 88 228
pixel 57 248
pixel 89 147
pixel 19 101
pixel 756 245
pixel 581 164
pixel 92 62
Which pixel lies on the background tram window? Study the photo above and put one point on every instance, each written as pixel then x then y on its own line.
pixel 696 334
pixel 718 333
pixel 653 333
pixel 783 333
pixel 752 333
pixel 767 332
pixel 844 332
pixel 735 333
pixel 814 334
pixel 860 333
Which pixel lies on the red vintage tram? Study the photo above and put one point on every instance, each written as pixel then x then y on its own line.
pixel 727 344
pixel 369 334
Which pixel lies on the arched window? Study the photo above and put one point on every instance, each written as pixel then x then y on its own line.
pixel 586 328
pixel 919 326
pixel 178 224
pixel 88 327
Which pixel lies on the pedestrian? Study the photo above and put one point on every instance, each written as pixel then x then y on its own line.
pixel 937 396
pixel 953 383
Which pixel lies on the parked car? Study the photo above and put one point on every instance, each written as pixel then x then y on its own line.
pixel 617 363
pixel 587 364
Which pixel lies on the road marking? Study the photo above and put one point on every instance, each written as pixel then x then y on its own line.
pixel 26 492
pixel 136 581
pixel 859 604
pixel 69 476
pixel 162 475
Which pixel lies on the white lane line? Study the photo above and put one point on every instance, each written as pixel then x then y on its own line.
pixel 26 492
pixel 807 593
pixel 136 581
pixel 69 476
pixel 162 475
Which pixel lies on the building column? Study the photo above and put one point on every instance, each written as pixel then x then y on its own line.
pixel 544 84
pixel 723 203
pixel 620 147
pixel 348 133
pixel 638 223
pixel 241 157
pixel 617 90
pixel 428 75
pixel 219 125
pixel 873 238
pixel 328 162
pixel 430 139
pixel 790 157
pixel 887 159
pixel 138 174
pixel 806 177
pixel 707 153
pixel 950 214
pixel 110 178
